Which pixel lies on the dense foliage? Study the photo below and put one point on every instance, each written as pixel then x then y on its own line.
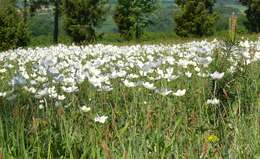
pixel 13 30
pixel 82 18
pixel 195 17
pixel 132 17
pixel 35 5
pixel 253 14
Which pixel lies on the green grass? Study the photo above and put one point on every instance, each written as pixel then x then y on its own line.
pixel 148 38
pixel 140 125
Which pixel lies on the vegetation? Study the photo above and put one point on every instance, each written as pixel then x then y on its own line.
pixel 38 4
pixel 253 14
pixel 196 17
pixel 13 30
pixel 152 101
pixel 81 18
pixel 146 86
pixel 132 17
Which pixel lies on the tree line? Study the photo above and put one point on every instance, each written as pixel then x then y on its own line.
pixel 132 17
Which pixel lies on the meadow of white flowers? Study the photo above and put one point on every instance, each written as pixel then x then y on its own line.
pixel 57 71
pixel 199 98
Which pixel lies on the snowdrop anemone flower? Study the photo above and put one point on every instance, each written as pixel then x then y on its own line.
pixel 149 85
pixel 188 74
pixel 18 80
pixel 61 97
pixel 2 70
pixel 164 91
pixel 214 101
pixel 3 94
pixel 180 93
pixel 129 84
pixel 101 119
pixel 204 61
pixel 85 109
pixel 41 106
pixel 217 76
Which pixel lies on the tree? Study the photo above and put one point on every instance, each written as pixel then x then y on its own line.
pixel 13 30
pixel 132 17
pixel 253 14
pixel 38 4
pixel 82 17
pixel 195 17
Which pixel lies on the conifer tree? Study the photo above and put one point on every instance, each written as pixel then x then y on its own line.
pixel 82 17
pixel 37 4
pixel 195 17
pixel 13 30
pixel 132 17
pixel 253 14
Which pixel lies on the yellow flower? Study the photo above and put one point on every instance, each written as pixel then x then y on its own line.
pixel 213 138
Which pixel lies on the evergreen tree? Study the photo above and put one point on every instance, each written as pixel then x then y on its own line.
pixel 82 17
pixel 13 30
pixel 37 4
pixel 195 17
pixel 253 14
pixel 132 17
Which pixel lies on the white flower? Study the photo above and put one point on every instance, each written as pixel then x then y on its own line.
pixel 61 97
pixel 70 89
pixel 2 70
pixel 3 94
pixel 129 84
pixel 85 109
pixel 180 93
pixel 18 80
pixel 217 76
pixel 188 74
pixel 101 119
pixel 41 106
pixel 149 85
pixel 204 61
pixel 164 91
pixel 214 101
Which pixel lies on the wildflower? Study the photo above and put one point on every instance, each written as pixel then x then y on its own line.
pixel 85 109
pixel 2 70
pixel 149 85
pixel 180 93
pixel 61 97
pixel 212 138
pixel 163 92
pixel 101 119
pixel 188 74
pixel 18 80
pixel 41 106
pixel 129 84
pixel 3 94
pixel 217 76
pixel 214 101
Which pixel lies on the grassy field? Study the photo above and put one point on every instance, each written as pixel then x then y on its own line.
pixel 196 99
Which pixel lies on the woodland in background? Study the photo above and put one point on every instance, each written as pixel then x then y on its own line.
pixel 36 22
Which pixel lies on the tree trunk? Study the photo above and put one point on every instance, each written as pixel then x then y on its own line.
pixel 137 30
pixel 56 21
pixel 25 7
